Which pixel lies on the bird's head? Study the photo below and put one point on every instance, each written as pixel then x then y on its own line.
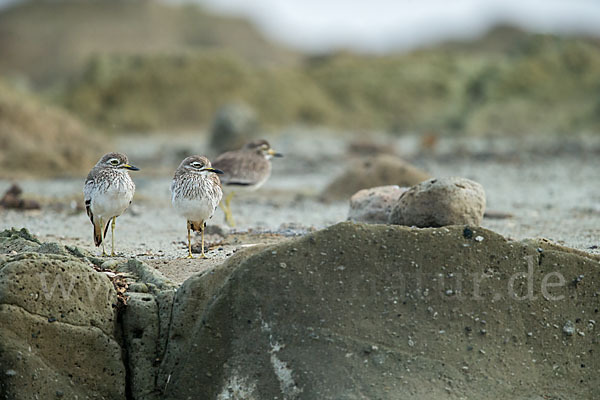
pixel 116 161
pixel 261 146
pixel 199 165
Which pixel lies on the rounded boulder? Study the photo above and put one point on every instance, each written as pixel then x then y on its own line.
pixel 440 202
pixel 374 205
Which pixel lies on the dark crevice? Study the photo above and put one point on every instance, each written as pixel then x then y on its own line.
pixel 124 353
pixel 166 339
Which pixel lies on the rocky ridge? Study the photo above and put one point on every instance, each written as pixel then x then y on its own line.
pixel 351 311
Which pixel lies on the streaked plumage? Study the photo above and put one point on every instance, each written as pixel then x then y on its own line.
pixel 244 169
pixel 196 193
pixel 107 192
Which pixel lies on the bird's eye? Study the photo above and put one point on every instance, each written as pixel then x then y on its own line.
pixel 197 164
pixel 113 161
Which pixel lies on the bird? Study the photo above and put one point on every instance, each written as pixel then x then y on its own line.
pixel 245 169
pixel 195 194
pixel 107 192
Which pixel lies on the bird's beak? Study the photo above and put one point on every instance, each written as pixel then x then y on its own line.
pixel 215 170
pixel 130 167
pixel 273 153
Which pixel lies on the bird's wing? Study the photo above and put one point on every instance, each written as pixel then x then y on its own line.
pixel 241 169
pixel 88 188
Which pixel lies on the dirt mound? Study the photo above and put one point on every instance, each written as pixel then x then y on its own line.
pixel 373 311
pixel 381 170
pixel 42 140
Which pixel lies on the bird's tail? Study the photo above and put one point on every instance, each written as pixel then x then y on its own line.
pixel 98 231
pixel 196 226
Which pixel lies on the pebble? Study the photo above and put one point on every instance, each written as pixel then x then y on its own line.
pixel 110 264
pixel 569 328
pixel 10 372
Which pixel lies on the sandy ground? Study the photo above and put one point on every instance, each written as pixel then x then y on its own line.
pixel 549 193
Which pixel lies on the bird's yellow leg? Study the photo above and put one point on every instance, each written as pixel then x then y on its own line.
pixel 189 242
pixel 112 236
pixel 102 233
pixel 227 210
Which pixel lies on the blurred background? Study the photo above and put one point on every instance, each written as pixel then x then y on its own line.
pixel 506 92
pixel 73 71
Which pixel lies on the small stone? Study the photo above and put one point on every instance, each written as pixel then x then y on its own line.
pixel 282 265
pixel 51 319
pixel 568 328
pixel 10 372
pixel 529 334
pixel 110 264
pixel 60 393
pixel 479 238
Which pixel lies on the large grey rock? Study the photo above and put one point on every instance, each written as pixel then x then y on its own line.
pixel 374 205
pixel 57 329
pixel 381 170
pixel 234 125
pixel 373 311
pixel 440 202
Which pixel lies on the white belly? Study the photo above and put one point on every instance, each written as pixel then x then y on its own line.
pixel 194 210
pixel 111 203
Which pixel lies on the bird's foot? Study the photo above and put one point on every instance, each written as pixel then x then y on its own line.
pixel 112 254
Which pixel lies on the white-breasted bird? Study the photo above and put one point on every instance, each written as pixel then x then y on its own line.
pixel 107 192
pixel 195 194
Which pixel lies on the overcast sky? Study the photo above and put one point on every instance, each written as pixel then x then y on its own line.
pixel 379 25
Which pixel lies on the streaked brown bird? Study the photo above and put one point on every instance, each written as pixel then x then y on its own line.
pixel 107 192
pixel 195 194
pixel 246 169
